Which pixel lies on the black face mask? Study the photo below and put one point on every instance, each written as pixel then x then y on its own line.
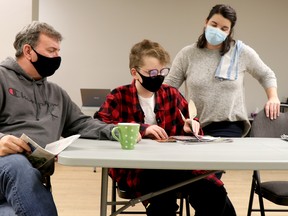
pixel 152 84
pixel 46 66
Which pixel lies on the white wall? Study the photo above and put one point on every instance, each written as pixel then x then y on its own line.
pixel 98 35
pixel 14 15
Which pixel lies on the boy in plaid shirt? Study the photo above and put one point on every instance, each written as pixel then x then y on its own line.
pixel 156 107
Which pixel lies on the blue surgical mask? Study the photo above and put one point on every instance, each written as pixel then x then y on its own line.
pixel 214 35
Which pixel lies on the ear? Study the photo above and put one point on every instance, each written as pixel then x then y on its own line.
pixel 133 72
pixel 27 51
pixel 135 75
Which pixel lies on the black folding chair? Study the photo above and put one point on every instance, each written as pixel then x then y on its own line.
pixel 273 191
pixel 126 194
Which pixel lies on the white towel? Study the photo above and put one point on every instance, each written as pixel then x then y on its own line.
pixel 228 65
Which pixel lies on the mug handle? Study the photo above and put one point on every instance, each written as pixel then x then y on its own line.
pixel 113 133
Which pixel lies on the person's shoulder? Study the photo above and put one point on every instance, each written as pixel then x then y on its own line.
pixel 171 89
pixel 166 91
pixel 188 51
pixel 122 93
pixel 247 53
pixel 121 89
pixel 9 64
pixel 245 48
pixel 189 47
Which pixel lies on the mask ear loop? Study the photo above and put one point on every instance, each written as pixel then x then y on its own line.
pixel 137 78
pixel 34 50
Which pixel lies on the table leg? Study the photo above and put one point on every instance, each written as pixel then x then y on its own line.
pixel 104 190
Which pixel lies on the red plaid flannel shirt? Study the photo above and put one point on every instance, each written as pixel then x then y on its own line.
pixel 122 105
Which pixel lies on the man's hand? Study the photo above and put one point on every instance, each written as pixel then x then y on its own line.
pixel 156 132
pixel 12 145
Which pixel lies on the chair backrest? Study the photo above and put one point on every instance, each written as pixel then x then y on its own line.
pixel 264 127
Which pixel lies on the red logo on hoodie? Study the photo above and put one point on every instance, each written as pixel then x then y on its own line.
pixel 11 91
pixel 14 92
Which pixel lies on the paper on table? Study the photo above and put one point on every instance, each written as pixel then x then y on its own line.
pixel 284 137
pixel 192 139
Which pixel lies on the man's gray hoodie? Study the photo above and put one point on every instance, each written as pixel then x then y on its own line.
pixel 41 109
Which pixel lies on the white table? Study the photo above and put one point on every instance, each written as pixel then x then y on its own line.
pixel 242 153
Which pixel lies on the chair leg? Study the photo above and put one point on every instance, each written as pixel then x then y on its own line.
pixel 258 188
pixel 252 191
pixel 113 196
pixel 261 204
pixel 187 206
pixel 184 198
pixel 181 206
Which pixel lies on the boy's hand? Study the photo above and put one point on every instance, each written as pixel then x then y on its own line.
pixel 156 132
pixel 139 137
pixel 191 125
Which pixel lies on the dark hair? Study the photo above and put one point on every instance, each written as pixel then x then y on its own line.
pixel 147 48
pixel 227 12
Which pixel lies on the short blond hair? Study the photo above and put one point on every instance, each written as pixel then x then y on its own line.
pixel 147 48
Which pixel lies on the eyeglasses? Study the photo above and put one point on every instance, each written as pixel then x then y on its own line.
pixel 155 72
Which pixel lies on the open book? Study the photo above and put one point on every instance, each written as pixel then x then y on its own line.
pixel 39 156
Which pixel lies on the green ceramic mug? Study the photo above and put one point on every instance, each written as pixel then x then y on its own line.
pixel 127 134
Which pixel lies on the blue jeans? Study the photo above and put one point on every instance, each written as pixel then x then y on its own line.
pixel 21 190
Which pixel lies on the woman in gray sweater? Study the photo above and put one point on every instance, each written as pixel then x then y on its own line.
pixel 214 69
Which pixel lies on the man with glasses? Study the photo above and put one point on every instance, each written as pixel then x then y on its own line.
pixel 157 107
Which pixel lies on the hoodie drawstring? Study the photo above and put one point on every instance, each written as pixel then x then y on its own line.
pixel 49 107
pixel 35 99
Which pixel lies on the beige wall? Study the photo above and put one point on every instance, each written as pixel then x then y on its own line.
pixel 13 16
pixel 98 35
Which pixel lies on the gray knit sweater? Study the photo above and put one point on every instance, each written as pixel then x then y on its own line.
pixel 217 100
